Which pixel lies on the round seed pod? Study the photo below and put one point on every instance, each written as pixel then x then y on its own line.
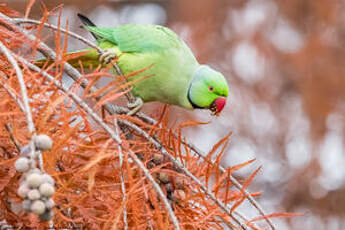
pixel 49 204
pixel 34 194
pixel 23 190
pixel 22 164
pixel 43 142
pixel 26 204
pixel 34 180
pixel 178 195
pixel 47 215
pixel 48 179
pixel 158 158
pixel 38 207
pixel 164 178
pixel 47 189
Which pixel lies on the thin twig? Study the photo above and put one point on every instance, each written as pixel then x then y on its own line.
pixel 8 127
pixel 13 62
pixel 123 187
pixel 236 183
pixel 13 95
pixel 27 110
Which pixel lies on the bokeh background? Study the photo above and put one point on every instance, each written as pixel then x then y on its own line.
pixel 285 64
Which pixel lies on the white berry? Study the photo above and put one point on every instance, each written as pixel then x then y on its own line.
pixel 46 189
pixel 50 204
pixel 43 142
pixel 38 207
pixel 23 190
pixel 34 180
pixel 48 179
pixel 34 194
pixel 22 164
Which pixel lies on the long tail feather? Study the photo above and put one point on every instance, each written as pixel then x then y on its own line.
pixel 87 22
pixel 87 58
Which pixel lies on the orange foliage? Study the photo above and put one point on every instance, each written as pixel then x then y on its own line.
pixel 84 160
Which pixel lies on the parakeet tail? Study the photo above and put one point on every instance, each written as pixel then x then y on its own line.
pixel 87 22
pixel 86 58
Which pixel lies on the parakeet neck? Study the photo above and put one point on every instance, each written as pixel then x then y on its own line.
pixel 191 102
pixel 194 78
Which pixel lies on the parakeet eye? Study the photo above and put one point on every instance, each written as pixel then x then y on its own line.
pixel 211 89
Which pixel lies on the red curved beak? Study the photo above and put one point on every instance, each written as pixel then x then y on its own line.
pixel 218 105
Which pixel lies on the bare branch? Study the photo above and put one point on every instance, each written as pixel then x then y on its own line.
pixel 27 110
pixel 123 187
pixel 13 62
pixel 14 96
pixel 8 127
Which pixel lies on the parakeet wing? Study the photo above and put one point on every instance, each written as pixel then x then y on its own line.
pixel 139 38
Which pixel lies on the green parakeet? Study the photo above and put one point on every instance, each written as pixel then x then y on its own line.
pixel 176 77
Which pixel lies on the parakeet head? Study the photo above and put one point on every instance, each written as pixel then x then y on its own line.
pixel 208 90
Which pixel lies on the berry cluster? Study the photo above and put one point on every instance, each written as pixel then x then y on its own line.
pixel 173 187
pixel 36 187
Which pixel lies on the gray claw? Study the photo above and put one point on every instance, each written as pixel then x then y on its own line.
pixel 107 56
pixel 135 106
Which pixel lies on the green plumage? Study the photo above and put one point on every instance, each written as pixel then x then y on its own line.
pixel 174 69
pixel 140 46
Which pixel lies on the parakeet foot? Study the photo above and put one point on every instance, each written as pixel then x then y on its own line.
pixel 107 56
pixel 135 106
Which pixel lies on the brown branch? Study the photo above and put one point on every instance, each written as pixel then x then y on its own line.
pixel 123 187
pixel 13 62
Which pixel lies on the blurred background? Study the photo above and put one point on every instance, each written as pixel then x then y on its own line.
pixel 285 64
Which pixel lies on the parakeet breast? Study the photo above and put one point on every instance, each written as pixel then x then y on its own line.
pixel 171 63
pixel 168 76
